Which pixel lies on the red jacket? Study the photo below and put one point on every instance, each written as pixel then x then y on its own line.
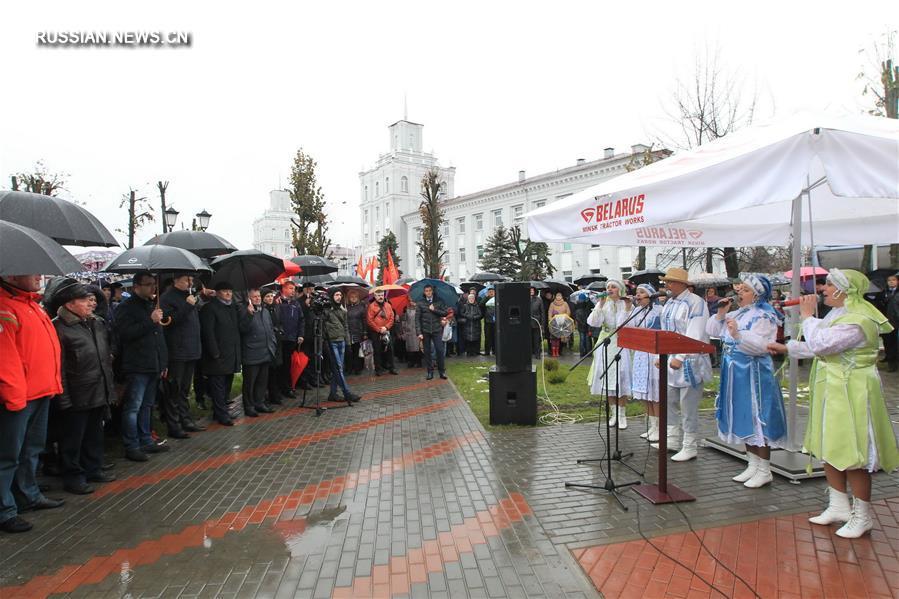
pixel 378 318
pixel 29 351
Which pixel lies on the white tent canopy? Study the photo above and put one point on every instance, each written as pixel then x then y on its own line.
pixel 739 190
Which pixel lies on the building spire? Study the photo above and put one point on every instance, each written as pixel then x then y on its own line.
pixel 405 108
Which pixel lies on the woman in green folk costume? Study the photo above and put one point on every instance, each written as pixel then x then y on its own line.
pixel 848 427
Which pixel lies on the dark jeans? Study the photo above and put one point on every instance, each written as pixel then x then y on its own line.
pixel 22 438
pixel 536 346
pixel 337 377
pixel 137 410
pixel 435 340
pixel 585 339
pixel 460 342
pixel 383 354
pixel 175 408
pixel 255 382
pixel 287 349
pixel 489 332
pixel 81 446
pixel 219 388
pixel 890 342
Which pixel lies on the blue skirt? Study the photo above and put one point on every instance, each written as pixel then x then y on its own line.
pixel 750 407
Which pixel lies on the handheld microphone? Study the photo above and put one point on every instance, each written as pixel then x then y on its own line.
pixel 724 302
pixel 789 302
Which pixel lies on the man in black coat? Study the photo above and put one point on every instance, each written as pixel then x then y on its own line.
pixel 221 323
pixel 144 359
pixel 429 312
pixel 891 311
pixel 293 331
pixel 182 334
pixel 87 389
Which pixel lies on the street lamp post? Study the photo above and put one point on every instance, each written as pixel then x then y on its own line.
pixel 203 220
pixel 170 217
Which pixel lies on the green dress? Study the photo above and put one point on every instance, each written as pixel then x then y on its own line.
pixel 847 409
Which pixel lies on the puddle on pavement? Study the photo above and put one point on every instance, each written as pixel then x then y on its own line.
pixel 311 534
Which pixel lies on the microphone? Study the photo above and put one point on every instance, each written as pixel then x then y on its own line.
pixel 789 302
pixel 724 302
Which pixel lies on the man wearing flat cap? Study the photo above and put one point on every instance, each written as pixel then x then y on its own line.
pixel 221 324
pixel 685 313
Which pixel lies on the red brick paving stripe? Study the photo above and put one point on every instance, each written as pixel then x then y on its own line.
pixel 134 482
pixel 780 557
pixel 398 577
pixel 73 576
pixel 325 404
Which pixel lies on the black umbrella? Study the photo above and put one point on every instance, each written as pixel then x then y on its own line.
pixel 590 278
pixel 24 251
pixel 350 280
pixel 156 259
pixel 468 285
pixel 246 269
pixel 650 275
pixel 539 284
pixel 324 279
pixel 61 220
pixel 557 286
pixel 201 243
pixel 314 265
pixel 597 286
pixel 486 277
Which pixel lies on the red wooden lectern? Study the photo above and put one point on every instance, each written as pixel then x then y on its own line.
pixel 662 343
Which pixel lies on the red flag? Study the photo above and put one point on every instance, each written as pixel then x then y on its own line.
pixel 390 273
pixel 372 265
pixel 360 267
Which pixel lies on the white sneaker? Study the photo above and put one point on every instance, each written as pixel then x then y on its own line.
pixel 752 461
pixel 622 417
pixel 762 474
pixel 837 509
pixel 689 449
pixel 859 523
pixel 652 434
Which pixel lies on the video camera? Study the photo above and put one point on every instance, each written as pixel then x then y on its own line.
pixel 320 302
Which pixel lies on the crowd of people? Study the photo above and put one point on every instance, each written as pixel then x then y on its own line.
pixel 85 360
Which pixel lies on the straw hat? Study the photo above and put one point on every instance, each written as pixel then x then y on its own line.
pixel 676 275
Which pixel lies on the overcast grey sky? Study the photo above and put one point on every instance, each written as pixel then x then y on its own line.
pixel 499 86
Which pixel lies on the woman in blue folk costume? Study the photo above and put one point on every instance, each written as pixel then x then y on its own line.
pixel 750 406
pixel 645 378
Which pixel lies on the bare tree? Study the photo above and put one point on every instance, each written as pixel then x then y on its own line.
pixel 713 102
pixel 430 246
pixel 139 212
pixel 40 180
pixel 880 75
pixel 162 187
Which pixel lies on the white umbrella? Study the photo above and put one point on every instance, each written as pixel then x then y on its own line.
pixel 748 189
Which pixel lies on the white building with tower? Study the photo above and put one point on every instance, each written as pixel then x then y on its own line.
pixel 271 231
pixel 392 188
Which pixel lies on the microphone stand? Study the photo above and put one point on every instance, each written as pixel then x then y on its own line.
pixel 609 484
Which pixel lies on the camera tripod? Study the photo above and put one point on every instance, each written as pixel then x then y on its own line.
pixel 317 346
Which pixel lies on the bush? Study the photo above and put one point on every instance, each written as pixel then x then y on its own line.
pixel 556 377
pixel 550 365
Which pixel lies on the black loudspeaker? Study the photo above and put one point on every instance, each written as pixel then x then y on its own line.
pixel 513 397
pixel 513 327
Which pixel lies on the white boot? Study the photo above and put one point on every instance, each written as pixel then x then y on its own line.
pixel 688 450
pixel 837 509
pixel 673 433
pixel 622 417
pixel 752 461
pixel 652 434
pixel 613 419
pixel 860 522
pixel 762 474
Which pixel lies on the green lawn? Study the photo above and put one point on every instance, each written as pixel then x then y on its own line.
pixel 571 396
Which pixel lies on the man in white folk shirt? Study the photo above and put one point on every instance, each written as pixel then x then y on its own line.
pixel 685 313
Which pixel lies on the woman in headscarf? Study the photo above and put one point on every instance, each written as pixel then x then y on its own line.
pixel 608 315
pixel 644 378
pixel 848 425
pixel 749 408
pixel 557 307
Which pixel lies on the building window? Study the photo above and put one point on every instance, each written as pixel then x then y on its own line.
pixel 377 190
pixel 365 213
pixel 478 222
pixel 443 188
pixel 366 238
pixel 566 247
pixel 366 193
pixel 626 271
pixel 498 218
pixel 287 234
pixel 517 214
pixel 377 214
pixel 539 204
pixel 386 211
pixel 462 255
pixel 387 185
pixel 460 225
pixel 404 185
pixel 567 275
pixel 444 228
pixel 480 252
